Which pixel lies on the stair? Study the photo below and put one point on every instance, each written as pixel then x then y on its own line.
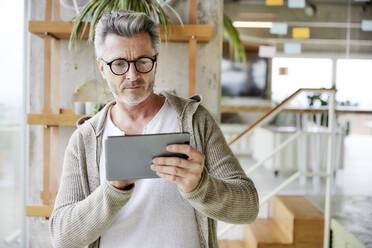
pixel 265 233
pixel 231 244
pixel 296 224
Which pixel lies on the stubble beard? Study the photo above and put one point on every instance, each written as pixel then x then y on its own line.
pixel 119 96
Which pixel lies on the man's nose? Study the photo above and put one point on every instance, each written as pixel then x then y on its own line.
pixel 132 74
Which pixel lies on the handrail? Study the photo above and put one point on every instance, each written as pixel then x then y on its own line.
pixel 283 145
pixel 267 198
pixel 328 174
pixel 276 150
pixel 280 187
pixel 276 109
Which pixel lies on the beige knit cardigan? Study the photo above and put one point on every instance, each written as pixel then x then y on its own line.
pixel 85 207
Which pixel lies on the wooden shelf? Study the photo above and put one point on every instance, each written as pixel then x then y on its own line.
pixel 39 210
pixel 177 33
pixel 66 118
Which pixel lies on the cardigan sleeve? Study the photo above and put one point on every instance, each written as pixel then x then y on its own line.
pixel 79 219
pixel 224 192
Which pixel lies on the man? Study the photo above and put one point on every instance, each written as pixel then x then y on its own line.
pixel 180 208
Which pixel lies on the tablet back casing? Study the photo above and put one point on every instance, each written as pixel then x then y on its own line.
pixel 129 157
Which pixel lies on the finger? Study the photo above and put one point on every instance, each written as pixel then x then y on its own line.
pixel 179 162
pixel 170 178
pixel 175 161
pixel 188 150
pixel 170 170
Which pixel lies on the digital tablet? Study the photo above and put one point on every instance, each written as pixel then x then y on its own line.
pixel 130 156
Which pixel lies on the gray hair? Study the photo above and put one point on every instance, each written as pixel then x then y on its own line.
pixel 126 24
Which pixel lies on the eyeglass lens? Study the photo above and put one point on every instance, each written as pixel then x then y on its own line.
pixel 142 65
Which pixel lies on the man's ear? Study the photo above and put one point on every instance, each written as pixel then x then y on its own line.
pixel 101 68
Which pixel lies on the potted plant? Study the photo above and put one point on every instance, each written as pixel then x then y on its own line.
pixel 95 9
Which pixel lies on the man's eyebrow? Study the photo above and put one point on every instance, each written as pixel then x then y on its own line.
pixel 141 56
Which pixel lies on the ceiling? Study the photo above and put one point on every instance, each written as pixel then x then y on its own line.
pixel 330 25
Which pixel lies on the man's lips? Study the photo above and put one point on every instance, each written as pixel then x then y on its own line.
pixel 132 87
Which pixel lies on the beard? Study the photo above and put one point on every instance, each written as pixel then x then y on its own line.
pixel 131 100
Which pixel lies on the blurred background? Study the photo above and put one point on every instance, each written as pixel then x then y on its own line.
pixel 284 46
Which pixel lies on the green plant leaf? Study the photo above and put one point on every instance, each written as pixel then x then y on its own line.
pixel 174 12
pixel 87 21
pixel 104 6
pixel 234 40
pixel 77 22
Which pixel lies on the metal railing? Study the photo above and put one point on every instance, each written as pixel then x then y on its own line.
pixel 328 174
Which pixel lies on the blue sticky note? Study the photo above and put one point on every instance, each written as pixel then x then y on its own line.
pixel 279 28
pixel 292 48
pixel 367 25
pixel 296 3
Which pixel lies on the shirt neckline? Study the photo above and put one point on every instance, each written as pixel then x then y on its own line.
pixel 157 116
pixel 117 131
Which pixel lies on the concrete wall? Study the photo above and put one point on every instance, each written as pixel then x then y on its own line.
pixel 79 66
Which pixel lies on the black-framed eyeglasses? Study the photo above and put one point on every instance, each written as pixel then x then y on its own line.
pixel 121 66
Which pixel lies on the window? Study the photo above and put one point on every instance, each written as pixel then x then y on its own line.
pixel 290 74
pixel 11 143
pixel 354 82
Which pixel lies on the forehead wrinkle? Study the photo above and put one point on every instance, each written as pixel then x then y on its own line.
pixel 140 46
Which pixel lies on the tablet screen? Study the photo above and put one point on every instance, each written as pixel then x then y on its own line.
pixel 130 156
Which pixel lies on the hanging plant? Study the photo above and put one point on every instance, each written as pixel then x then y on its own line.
pixel 234 40
pixel 95 9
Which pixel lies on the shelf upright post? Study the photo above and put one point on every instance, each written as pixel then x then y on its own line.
pixel 192 50
pixel 45 195
pixel 56 106
pixel 51 134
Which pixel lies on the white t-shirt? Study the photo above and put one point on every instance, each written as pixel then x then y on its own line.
pixel 156 215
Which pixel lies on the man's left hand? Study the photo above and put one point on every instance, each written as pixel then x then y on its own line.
pixel 186 173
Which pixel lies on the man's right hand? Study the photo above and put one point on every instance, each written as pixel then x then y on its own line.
pixel 123 185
